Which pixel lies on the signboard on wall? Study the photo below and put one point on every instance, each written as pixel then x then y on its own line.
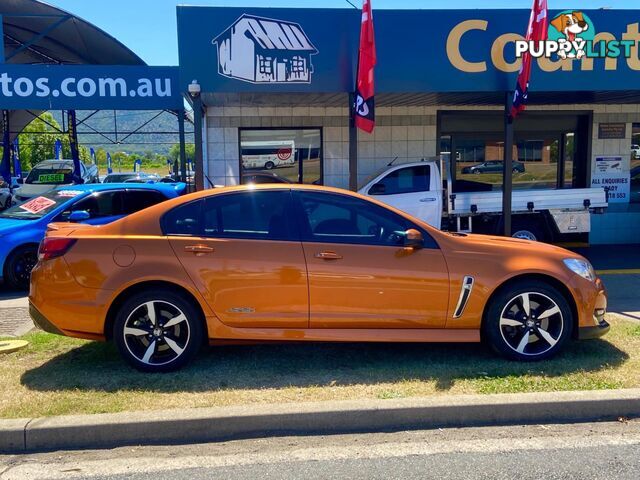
pixel 610 175
pixel 89 87
pixel 229 49
pixel 609 131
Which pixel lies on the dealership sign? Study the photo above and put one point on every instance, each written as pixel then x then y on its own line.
pixel 232 50
pixel 46 87
pixel 610 175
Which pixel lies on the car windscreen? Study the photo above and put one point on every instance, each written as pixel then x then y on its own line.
pixel 38 207
pixel 50 176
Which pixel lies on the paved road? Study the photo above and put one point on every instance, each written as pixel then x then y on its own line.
pixel 14 313
pixel 582 451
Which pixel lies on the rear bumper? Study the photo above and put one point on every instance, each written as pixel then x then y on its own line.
pixel 41 321
pixel 587 333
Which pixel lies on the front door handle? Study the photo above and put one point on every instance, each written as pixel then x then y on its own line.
pixel 198 249
pixel 427 199
pixel 328 255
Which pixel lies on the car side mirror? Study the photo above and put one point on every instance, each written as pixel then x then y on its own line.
pixel 79 216
pixel 378 189
pixel 413 239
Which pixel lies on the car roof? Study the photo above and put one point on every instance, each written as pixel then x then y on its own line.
pixel 99 187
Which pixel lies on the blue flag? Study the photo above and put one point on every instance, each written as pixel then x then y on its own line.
pixel 93 155
pixel 109 168
pixel 137 165
pixel 5 165
pixel 58 150
pixel 189 165
pixel 17 167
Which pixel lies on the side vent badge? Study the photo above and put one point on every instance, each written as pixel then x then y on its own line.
pixel 465 293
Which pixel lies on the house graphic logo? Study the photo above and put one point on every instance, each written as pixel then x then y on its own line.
pixel 264 50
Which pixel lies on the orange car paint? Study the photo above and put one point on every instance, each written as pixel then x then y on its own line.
pixel 368 293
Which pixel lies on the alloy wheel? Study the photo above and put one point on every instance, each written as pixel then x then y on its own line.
pixel 156 333
pixel 531 324
pixel 23 266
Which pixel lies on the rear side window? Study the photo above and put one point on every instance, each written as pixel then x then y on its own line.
pixel 136 200
pixel 183 220
pixel 102 204
pixel 260 215
pixel 405 180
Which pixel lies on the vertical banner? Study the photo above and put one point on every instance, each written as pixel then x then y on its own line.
pixel 57 150
pixel 537 31
pixel 364 107
pixel 17 166
pixel 73 143
pixel 189 165
pixel 5 165
pixel 109 164
pixel 137 165
pixel 93 156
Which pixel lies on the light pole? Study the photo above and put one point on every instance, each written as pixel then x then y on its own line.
pixel 195 94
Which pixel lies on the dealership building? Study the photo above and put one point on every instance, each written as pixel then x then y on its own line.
pixel 274 85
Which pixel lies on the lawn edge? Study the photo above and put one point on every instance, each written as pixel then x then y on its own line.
pixel 333 417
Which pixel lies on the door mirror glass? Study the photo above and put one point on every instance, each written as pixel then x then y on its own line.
pixel 378 189
pixel 79 216
pixel 413 239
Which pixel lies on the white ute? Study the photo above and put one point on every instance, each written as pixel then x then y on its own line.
pixel 538 214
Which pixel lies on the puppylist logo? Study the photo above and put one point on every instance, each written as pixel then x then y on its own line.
pixel 572 35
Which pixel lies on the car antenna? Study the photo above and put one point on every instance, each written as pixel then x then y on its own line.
pixel 391 162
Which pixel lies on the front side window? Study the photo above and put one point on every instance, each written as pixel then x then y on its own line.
pixel 404 180
pixel 99 205
pixel 334 218
pixel 259 215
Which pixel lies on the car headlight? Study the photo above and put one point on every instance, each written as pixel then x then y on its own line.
pixel 581 267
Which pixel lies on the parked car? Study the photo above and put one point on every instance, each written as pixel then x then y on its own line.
pixel 493 166
pixel 51 174
pixel 122 177
pixel 635 151
pixel 305 263
pixel 263 177
pixel 23 226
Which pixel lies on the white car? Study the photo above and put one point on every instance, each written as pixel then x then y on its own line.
pixel 51 174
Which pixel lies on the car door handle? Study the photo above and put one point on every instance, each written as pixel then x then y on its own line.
pixel 198 249
pixel 328 255
pixel 427 199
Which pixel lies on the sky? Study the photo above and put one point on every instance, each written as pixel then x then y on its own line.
pixel 148 27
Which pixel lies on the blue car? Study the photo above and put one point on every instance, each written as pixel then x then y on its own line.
pixel 23 226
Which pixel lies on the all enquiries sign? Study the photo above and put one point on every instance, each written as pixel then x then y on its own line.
pixel 80 87
pixel 609 174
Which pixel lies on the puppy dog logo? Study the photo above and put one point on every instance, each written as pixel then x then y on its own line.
pixel 573 27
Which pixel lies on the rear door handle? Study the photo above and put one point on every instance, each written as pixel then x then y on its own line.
pixel 198 249
pixel 328 255
pixel 427 199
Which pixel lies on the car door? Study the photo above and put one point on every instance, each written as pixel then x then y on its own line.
pixel 243 252
pixel 360 275
pixel 411 190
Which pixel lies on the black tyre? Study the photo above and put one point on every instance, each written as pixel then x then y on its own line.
pixel 17 268
pixel 528 231
pixel 269 165
pixel 515 170
pixel 158 331
pixel 528 321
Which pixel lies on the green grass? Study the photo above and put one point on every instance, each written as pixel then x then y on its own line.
pixel 57 375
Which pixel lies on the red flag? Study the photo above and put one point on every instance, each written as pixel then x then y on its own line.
pixel 537 31
pixel 364 107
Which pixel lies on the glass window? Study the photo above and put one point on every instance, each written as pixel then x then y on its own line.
pixel 281 156
pixel 332 218
pixel 136 200
pixel 635 163
pixel 404 180
pixel 261 215
pixel 183 220
pixel 103 204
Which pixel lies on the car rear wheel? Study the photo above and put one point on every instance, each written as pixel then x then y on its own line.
pixel 269 165
pixel 158 331
pixel 528 321
pixel 17 271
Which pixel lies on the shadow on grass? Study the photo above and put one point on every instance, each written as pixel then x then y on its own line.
pixel 97 366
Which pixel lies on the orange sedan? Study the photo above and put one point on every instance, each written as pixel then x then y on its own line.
pixel 304 263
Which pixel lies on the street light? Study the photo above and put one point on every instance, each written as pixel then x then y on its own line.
pixel 194 92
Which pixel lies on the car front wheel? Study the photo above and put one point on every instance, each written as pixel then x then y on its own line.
pixel 528 321
pixel 158 331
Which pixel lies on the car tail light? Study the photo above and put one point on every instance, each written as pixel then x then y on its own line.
pixel 54 247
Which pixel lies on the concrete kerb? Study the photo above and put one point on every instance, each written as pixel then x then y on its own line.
pixel 253 421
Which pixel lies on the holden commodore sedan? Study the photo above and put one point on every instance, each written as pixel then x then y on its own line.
pixel 304 263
